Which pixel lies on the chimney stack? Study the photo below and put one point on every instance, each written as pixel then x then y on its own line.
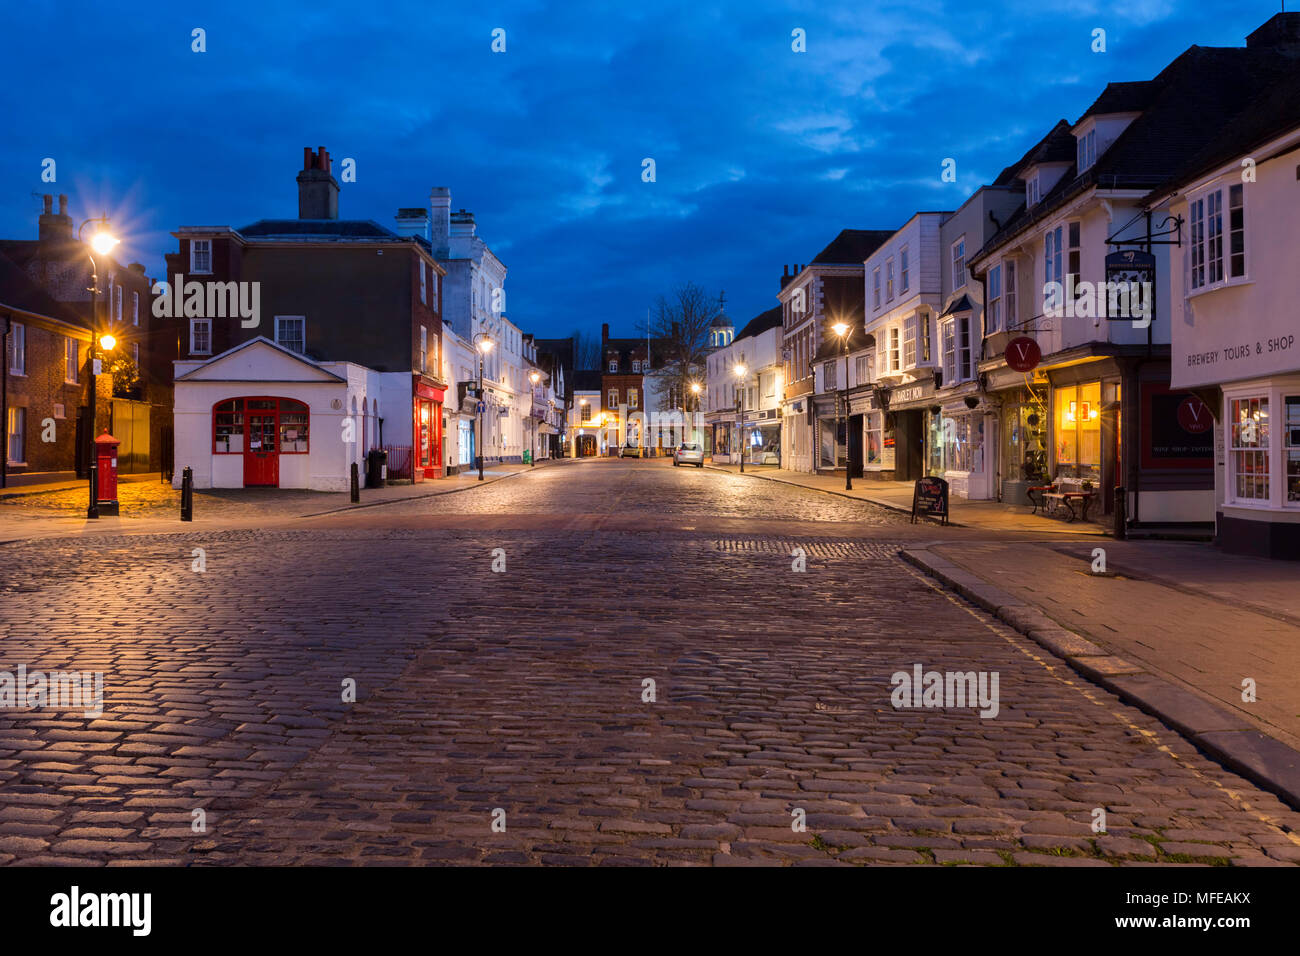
pixel 412 222
pixel 54 226
pixel 440 221
pixel 318 191
pixel 604 337
pixel 462 224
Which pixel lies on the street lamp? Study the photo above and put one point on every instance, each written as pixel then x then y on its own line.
pixel 740 413
pixel 534 377
pixel 102 242
pixel 482 342
pixel 695 432
pixel 842 330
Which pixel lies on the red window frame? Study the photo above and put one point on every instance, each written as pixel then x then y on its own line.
pixel 240 407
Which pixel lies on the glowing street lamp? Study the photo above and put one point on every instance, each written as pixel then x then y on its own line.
pixel 842 330
pixel 534 377
pixel 740 371
pixel 482 342
pixel 101 243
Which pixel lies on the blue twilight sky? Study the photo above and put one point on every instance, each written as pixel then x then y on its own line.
pixel 762 154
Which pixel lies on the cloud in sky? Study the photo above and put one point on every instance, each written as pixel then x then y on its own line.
pixel 762 154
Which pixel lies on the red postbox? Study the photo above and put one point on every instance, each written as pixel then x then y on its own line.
pixel 106 468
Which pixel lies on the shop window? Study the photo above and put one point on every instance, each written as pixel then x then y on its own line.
pixel 291 424
pixel 963 443
pixel 1024 438
pixel 1292 445
pixel 1078 430
pixel 873 447
pixel 1249 444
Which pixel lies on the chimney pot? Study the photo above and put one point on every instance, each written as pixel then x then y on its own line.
pixel 63 204
pixel 49 204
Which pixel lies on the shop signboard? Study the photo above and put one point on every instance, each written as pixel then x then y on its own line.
pixel 930 499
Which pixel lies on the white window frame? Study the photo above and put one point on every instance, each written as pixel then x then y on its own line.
pixel 889 280
pixel 636 365
pixel 612 395
pixel 613 367
pixel 909 342
pixel 959 272
pixel 195 325
pixel 424 347
pixel 424 284
pixel 875 287
pixel 287 319
pixel 1086 150
pixel 1208 210
pixel 197 247
pixel 16 428
pixel 1032 195
pixel 895 348
pixel 993 314
pixel 1264 395
pixel 904 273
pixel 1010 301
pixel 135 308
pixel 71 360
pixel 948 338
pixel 17 357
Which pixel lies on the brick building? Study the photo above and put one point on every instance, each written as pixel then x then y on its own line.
pixel 59 266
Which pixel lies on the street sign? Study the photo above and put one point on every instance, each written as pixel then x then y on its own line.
pixel 482 407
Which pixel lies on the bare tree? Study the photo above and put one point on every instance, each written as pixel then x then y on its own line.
pixel 678 328
pixel 586 350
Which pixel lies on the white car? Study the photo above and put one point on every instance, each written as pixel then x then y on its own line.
pixel 688 453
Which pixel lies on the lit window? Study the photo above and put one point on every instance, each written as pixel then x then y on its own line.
pixel 1249 441
pixel 71 365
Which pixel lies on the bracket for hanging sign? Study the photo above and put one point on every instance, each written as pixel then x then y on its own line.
pixel 1169 226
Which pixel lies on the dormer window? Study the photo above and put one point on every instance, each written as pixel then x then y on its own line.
pixel 636 365
pixel 1087 150
pixel 1031 190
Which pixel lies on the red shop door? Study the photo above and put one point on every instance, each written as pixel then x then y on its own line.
pixel 262 454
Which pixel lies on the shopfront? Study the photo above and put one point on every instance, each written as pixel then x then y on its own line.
pixel 966 434
pixel 428 431
pixel 1020 452
pixel 918 431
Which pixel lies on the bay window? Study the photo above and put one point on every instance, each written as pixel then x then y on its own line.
pixel 1248 460
pixel 1208 265
pixel 909 342
pixel 993 316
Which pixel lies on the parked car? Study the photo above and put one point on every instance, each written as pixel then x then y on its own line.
pixel 629 451
pixel 689 453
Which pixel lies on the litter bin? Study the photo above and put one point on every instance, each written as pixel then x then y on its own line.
pixel 376 468
pixel 528 456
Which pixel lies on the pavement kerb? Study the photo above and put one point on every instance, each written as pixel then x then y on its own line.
pixel 1218 733
pixel 826 491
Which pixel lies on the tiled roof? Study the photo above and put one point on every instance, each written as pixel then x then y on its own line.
pixel 761 323
pixel 853 246
pixel 1128 97
pixel 319 229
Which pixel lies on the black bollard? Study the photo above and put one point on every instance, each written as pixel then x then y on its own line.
pixel 356 486
pixel 1121 514
pixel 187 494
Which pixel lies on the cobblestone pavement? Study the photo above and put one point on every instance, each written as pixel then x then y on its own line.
pixel 518 696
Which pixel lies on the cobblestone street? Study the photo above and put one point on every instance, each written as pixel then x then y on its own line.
pixel 518 696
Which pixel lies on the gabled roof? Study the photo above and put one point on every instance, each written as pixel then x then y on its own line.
pixel 1193 99
pixel 261 342
pixel 19 292
pixel 1056 146
pixel 761 323
pixel 1273 113
pixel 853 246
pixel 1127 97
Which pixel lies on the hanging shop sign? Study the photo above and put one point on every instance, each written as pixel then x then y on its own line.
pixel 1023 354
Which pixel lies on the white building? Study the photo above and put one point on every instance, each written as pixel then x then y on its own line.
pixel 752 399
pixel 1236 335
pixel 260 414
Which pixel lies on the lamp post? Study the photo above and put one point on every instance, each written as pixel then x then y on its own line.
pixel 101 242
pixel 740 371
pixel 695 436
pixel 482 342
pixel 533 377
pixel 842 330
